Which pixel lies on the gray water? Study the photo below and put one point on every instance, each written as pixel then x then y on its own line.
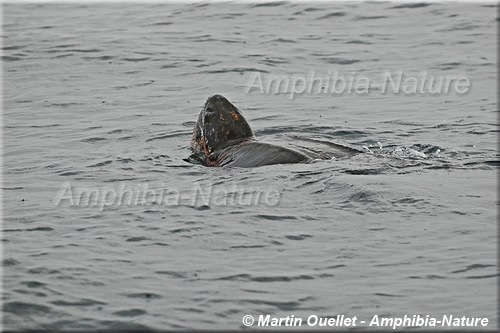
pixel 103 96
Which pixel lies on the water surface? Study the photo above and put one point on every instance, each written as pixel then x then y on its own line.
pixel 106 95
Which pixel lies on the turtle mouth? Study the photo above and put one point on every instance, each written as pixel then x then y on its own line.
pixel 204 145
pixel 199 143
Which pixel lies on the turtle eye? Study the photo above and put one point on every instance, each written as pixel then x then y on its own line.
pixel 209 113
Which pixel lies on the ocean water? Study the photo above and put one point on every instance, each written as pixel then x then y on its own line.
pixel 104 97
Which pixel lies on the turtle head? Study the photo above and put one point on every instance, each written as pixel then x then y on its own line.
pixel 220 125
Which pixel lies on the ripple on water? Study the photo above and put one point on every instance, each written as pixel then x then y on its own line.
pixel 81 302
pixel 95 139
pixel 270 4
pixel 472 267
pixel 130 313
pixel 23 309
pixel 274 217
pixel 334 14
pixel 298 237
pixel 144 295
pixel 411 5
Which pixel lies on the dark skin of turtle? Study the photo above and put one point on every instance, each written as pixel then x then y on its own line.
pixel 223 137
